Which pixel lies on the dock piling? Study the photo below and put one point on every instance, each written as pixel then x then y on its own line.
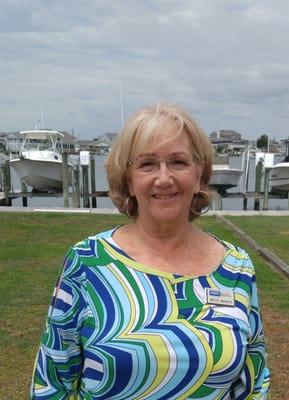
pixel 85 186
pixel 6 183
pixel 266 188
pixel 258 178
pixel 92 179
pixel 75 187
pixel 65 181
pixel 24 190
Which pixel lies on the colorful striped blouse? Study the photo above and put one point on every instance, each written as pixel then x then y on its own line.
pixel 117 329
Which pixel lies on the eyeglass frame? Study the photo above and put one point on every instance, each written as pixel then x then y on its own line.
pixel 167 161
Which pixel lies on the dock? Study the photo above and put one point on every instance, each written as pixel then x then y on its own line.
pixel 82 193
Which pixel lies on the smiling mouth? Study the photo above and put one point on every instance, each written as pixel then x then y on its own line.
pixel 164 196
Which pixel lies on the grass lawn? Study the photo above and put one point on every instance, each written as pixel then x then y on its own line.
pixel 270 232
pixel 32 246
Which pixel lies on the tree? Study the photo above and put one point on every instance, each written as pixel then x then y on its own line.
pixel 262 142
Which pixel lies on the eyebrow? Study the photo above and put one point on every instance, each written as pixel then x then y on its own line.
pixel 174 154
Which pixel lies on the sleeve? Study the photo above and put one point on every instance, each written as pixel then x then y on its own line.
pixel 59 360
pixel 253 383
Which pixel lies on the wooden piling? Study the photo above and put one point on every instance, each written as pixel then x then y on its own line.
pixel 246 179
pixel 216 201
pixel 266 188
pixel 258 177
pixel 85 186
pixel 24 190
pixel 65 180
pixel 92 180
pixel 75 187
pixel 7 183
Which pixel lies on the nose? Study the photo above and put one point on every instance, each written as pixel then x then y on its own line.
pixel 164 175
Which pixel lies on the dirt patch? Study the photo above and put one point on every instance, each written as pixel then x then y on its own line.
pixel 277 339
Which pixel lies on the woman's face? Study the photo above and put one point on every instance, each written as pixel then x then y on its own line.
pixel 164 191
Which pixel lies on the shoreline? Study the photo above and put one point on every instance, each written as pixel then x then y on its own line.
pixel 115 211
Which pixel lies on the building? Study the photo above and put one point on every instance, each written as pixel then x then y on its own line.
pixel 13 142
pixel 105 142
pixel 228 142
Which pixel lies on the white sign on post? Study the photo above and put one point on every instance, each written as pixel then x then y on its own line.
pixel 84 158
pixel 268 159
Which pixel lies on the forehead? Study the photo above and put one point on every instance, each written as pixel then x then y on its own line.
pixel 164 140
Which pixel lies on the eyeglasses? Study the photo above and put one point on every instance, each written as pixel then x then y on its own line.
pixel 151 165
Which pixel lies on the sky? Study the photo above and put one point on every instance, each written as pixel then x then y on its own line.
pixel 85 66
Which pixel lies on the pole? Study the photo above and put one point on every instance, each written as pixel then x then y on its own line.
pixel 216 201
pixel 7 183
pixel 24 190
pixel 85 186
pixel 266 189
pixel 246 179
pixel 258 176
pixel 92 180
pixel 65 179
pixel 76 191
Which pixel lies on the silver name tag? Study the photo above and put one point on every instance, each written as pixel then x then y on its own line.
pixel 220 297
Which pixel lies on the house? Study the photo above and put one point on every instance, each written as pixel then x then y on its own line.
pixel 68 141
pixel 13 142
pixel 105 142
pixel 228 141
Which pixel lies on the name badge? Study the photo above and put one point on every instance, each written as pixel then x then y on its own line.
pixel 220 297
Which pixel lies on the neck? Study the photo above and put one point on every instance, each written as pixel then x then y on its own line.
pixel 167 233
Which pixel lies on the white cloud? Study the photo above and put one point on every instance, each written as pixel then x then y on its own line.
pixel 227 62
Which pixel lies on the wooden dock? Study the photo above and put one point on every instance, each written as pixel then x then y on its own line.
pixel 82 193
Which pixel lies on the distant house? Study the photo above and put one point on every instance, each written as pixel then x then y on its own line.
pixel 105 142
pixel 68 141
pixel 86 145
pixel 3 136
pixel 13 142
pixel 228 141
pixel 99 145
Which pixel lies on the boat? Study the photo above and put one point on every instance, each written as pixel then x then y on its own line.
pixel 279 174
pixel 223 176
pixel 39 164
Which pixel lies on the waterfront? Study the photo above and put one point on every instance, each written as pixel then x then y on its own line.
pixel 101 185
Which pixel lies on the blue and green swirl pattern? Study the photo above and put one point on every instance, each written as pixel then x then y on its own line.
pixel 120 330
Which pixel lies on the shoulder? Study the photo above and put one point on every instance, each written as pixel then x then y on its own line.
pixel 81 253
pixel 90 241
pixel 239 258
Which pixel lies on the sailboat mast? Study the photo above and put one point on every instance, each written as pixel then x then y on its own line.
pixel 42 115
pixel 121 104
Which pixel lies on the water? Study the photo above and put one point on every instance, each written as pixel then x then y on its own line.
pixel 101 184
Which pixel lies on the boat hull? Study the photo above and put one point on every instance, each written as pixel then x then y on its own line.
pixel 224 178
pixel 41 175
pixel 279 177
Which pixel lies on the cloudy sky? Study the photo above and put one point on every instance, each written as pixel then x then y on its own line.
pixel 226 61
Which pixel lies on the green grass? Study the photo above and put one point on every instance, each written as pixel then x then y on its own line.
pixel 270 232
pixel 32 247
pixel 269 281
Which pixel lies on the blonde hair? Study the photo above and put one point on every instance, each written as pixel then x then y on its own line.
pixel 137 135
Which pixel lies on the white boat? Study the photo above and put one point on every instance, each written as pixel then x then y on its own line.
pixel 279 177
pixel 279 174
pixel 223 176
pixel 40 162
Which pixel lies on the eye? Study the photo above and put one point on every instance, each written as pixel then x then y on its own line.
pixel 147 164
pixel 180 163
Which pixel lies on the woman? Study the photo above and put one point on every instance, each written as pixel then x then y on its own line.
pixel 155 309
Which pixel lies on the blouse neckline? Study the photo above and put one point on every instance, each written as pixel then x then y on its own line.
pixel 116 252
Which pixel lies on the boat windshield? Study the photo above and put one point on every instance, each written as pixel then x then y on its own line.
pixel 39 144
